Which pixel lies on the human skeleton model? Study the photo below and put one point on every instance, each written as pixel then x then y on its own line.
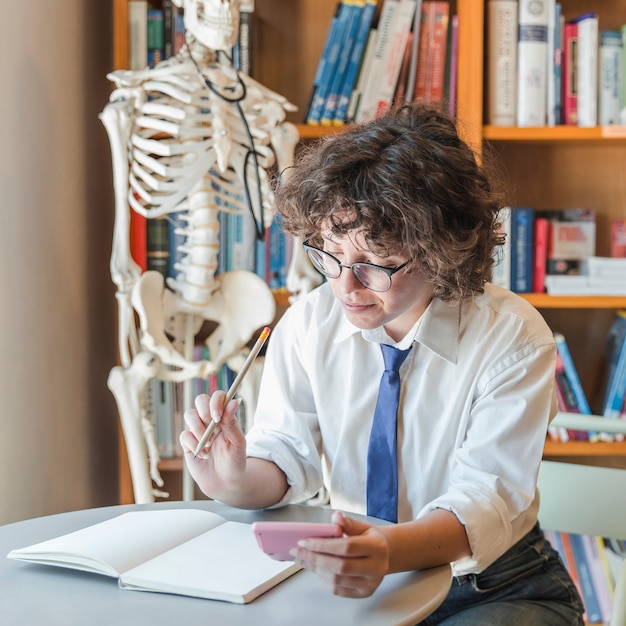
pixel 192 135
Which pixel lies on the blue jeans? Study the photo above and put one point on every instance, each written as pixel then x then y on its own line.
pixel 527 586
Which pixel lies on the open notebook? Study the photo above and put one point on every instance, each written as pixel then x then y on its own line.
pixel 188 552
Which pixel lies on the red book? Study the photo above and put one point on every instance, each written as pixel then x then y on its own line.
pixel 618 238
pixel 541 254
pixel 570 88
pixel 431 63
pixel 139 239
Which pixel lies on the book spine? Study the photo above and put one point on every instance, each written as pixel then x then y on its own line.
pixel 437 71
pixel 600 582
pixel 541 254
pixel 618 238
pixel 572 374
pixel 169 28
pixel 400 95
pixel 245 41
pixel 586 583
pixel 139 239
pixel 570 86
pixel 367 105
pixel 453 64
pixel 353 19
pixel 617 385
pixel 558 63
pixel 610 77
pixel 550 86
pixel 328 62
pixel 155 37
pixel 570 563
pixel 158 249
pixel 532 63
pixel 502 261
pixel 357 93
pixel 502 16
pixel 137 34
pixel 355 62
pixel 385 82
pixel 522 257
pixel 567 401
pixel 587 74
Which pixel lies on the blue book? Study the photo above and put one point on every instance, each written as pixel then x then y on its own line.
pixel 572 373
pixel 590 598
pixel 522 249
pixel 617 385
pixel 355 61
pixel 615 341
pixel 332 98
pixel 328 62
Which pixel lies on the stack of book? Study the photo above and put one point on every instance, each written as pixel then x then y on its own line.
pixel 379 53
pixel 542 247
pixel 545 69
pixel 610 401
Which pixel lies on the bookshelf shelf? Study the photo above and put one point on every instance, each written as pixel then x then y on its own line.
pixel 545 301
pixel 554 134
pixel 557 449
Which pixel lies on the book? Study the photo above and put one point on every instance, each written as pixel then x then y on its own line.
pixel 394 24
pixel 414 52
pixel 368 54
pixel 502 16
pixel 357 55
pixel 187 552
pixel 610 76
pixel 540 259
pixel 170 45
pixel 353 18
pixel 401 95
pixel 502 254
pixel 532 63
pixel 243 50
pixel 558 64
pixel 572 375
pixel 598 578
pixel 137 34
pixel 566 401
pixel 522 253
pixel 587 69
pixel 592 608
pixel 139 239
pixel 572 240
pixel 550 83
pixel 324 71
pixel 570 82
pixel 567 555
pixel 616 374
pixel 155 39
pixel 157 244
pixel 429 80
pixel 452 64
pixel 618 238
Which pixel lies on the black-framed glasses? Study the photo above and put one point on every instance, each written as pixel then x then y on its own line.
pixel 373 277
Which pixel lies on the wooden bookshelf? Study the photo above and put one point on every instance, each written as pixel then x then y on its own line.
pixel 545 167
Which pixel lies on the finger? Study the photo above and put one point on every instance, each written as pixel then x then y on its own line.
pixel 202 404
pixel 350 525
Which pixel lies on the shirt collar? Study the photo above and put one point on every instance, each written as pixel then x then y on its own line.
pixel 437 330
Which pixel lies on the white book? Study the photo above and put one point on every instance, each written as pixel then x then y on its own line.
pixel 609 77
pixel 587 75
pixel 356 96
pixel 502 261
pixel 395 23
pixel 550 75
pixel 137 34
pixel 532 63
pixel 188 552
pixel 502 16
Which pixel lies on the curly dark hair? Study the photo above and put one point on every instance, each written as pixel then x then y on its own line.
pixel 411 185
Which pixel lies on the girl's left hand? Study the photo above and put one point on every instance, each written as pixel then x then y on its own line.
pixel 352 566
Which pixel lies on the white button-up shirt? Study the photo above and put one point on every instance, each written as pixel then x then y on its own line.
pixel 477 396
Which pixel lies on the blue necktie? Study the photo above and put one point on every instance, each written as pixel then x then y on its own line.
pixel 382 463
